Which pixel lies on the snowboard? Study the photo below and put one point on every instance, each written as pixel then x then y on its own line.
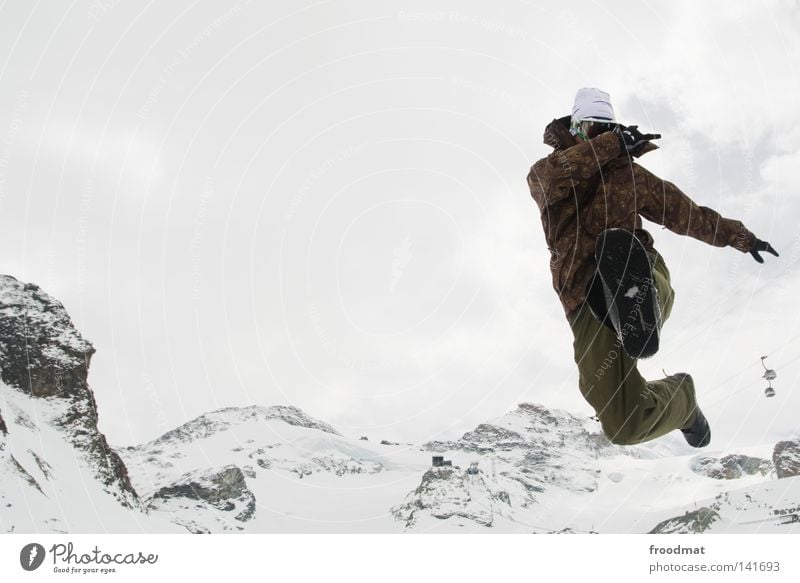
pixel 629 291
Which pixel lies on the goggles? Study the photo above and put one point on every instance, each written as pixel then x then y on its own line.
pixel 589 128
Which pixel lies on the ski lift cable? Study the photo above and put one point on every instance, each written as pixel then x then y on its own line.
pixel 761 359
pixel 748 387
pixel 720 384
pixel 727 313
pixel 746 300
pixel 731 377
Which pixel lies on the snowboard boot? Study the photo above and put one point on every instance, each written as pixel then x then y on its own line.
pixel 629 290
pixel 698 432
pixel 596 298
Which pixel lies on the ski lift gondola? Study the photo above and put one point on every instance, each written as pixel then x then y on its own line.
pixel 769 375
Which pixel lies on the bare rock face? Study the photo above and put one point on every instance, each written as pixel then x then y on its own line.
pixel 514 460
pixel 545 447
pixel 444 493
pixel 487 438
pixel 731 467
pixel 41 353
pixel 693 522
pixel 212 492
pixel 44 356
pixel 786 457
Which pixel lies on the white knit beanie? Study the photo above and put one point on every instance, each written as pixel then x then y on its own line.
pixel 592 104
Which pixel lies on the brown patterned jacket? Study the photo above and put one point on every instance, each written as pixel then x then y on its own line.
pixel 583 188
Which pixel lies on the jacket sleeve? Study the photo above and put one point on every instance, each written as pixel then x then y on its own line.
pixel 665 204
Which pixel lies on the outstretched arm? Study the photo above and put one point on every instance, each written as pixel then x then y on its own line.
pixel 665 204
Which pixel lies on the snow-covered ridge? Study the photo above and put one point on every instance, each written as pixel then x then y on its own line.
pixel 530 426
pixel 223 419
pixel 277 469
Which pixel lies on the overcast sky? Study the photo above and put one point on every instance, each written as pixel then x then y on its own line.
pixel 324 203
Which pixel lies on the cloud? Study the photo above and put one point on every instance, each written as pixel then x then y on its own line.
pixel 412 285
pixel 117 152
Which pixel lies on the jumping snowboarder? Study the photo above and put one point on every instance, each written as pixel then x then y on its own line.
pixel 614 286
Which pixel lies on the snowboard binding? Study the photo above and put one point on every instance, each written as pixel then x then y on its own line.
pixel 627 290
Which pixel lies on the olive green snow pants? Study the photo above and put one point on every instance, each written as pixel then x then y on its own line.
pixel 630 409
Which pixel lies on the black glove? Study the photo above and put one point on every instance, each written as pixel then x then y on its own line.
pixel 762 246
pixel 631 140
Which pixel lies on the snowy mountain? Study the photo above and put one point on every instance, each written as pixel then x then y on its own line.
pixel 265 451
pixel 57 471
pixel 278 469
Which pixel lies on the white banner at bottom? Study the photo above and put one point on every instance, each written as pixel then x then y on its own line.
pixel 390 557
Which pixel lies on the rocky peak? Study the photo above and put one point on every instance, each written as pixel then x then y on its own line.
pixel 447 492
pixel 41 353
pixel 43 356
pixel 528 427
pixel 786 457
pixel 514 460
pixel 294 416
pixel 208 424
pixel 730 467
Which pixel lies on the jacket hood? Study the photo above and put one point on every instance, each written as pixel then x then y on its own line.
pixel 556 135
